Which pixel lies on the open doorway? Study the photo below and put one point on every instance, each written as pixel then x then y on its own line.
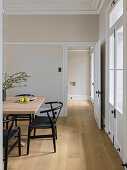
pixel 81 76
pixel 78 73
pixel 96 84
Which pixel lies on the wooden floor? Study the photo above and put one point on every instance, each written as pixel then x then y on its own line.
pixel 80 145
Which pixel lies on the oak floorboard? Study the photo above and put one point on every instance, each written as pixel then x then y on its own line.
pixel 80 145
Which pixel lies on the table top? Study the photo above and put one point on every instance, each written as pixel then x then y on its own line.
pixel 12 106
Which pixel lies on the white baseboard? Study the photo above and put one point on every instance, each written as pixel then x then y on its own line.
pixel 92 101
pixel 78 97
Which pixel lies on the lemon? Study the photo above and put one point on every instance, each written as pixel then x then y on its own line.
pixel 22 99
pixel 26 99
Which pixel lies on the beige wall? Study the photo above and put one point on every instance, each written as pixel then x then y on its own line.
pixel 79 72
pixel 41 62
pixel 52 28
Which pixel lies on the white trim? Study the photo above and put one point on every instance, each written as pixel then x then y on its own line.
pixel 32 43
pixel 91 99
pixel 69 44
pixel 107 73
pixel 80 50
pixel 101 5
pixel 49 9
pixel 103 39
pixel 79 97
pixel 65 79
pixel 39 12
pixel 65 67
pixel 78 44
pixel 1 113
pixel 125 84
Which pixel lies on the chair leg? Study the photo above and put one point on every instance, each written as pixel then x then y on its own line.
pixel 54 136
pixel 28 143
pixel 34 133
pixel 7 123
pixel 16 124
pixel 32 116
pixel 56 132
pixel 30 119
pixel 19 142
pixel 6 156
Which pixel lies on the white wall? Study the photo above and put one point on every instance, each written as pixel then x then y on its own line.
pixel 41 62
pixel 79 72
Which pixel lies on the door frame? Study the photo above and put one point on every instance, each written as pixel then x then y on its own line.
pixel 1 113
pixel 65 69
pixel 103 40
pixel 108 31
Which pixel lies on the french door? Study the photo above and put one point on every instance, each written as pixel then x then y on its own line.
pixel 116 71
pixel 97 84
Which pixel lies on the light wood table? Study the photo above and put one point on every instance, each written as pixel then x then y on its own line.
pixel 12 106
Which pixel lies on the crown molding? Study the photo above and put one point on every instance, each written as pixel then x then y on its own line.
pixel 100 6
pixel 39 12
pixel 54 9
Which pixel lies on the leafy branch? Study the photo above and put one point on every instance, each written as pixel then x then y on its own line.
pixel 15 80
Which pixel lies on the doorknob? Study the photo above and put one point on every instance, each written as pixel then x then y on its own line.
pixel 114 113
pixel 118 149
pixel 98 92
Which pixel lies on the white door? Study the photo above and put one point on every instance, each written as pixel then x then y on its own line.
pixel 111 87
pixel 97 84
pixel 116 88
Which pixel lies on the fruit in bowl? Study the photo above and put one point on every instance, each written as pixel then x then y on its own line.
pixel 24 99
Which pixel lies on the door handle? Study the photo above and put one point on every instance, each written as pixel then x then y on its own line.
pixel 93 84
pixel 114 113
pixel 98 92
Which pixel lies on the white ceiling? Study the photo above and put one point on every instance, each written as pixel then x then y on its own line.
pixel 52 6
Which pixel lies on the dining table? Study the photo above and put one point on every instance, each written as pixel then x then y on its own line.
pixel 12 105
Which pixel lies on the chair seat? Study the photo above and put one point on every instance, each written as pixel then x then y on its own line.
pixel 12 134
pixel 42 122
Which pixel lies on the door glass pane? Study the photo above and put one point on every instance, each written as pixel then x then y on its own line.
pixel 116 13
pixel 119 70
pixel 111 69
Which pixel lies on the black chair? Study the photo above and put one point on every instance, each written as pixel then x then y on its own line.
pixel 8 135
pixel 46 122
pixel 22 117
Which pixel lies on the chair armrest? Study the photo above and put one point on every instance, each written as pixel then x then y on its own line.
pixel 9 120
pixel 55 102
pixel 12 119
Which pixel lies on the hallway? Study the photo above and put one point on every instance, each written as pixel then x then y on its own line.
pixel 80 145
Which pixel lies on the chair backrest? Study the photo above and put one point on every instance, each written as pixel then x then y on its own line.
pixel 24 95
pixel 56 108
